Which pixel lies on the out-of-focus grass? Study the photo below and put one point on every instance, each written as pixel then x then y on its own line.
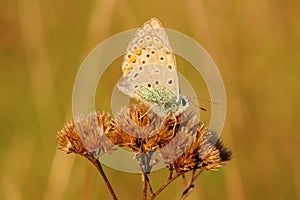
pixel 254 43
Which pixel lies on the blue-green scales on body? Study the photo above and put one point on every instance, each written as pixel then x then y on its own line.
pixel 162 96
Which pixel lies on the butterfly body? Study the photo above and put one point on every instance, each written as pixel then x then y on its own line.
pixel 161 96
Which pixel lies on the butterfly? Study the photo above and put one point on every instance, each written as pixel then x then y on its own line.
pixel 150 71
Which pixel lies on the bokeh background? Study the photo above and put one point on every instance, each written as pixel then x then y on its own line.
pixel 256 45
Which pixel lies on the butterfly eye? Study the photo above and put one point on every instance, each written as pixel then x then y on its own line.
pixel 149 85
pixel 170 66
pixel 162 58
pixel 141 67
pixel 136 86
pixel 170 82
pixel 183 102
pixel 156 82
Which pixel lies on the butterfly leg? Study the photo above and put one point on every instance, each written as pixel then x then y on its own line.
pixel 175 123
pixel 144 114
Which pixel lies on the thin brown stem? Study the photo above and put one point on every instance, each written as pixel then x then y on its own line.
pixel 145 184
pixel 192 177
pixel 184 180
pixel 100 169
pixel 150 187
pixel 170 175
pixel 197 174
pixel 188 186
pixel 159 190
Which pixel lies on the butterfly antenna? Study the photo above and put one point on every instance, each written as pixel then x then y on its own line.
pixel 201 108
pixel 208 101
pixel 204 100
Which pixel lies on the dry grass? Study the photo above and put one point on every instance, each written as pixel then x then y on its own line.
pixel 254 43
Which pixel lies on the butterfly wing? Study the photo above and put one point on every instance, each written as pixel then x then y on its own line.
pixel 150 44
pixel 151 75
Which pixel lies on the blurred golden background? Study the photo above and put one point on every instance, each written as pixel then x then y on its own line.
pixel 254 43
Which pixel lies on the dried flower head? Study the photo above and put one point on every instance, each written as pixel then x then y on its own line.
pixel 196 147
pixel 140 129
pixel 69 141
pixel 191 146
pixel 183 143
pixel 86 134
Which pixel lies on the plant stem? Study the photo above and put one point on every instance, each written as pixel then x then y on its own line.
pixel 145 184
pixel 171 174
pixel 159 190
pixel 195 176
pixel 150 187
pixel 184 180
pixel 100 169
pixel 188 186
